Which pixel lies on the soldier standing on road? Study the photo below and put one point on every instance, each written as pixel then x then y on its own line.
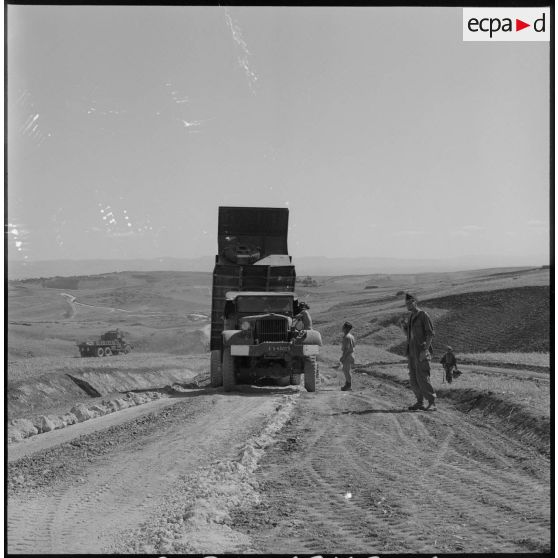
pixel 347 354
pixel 304 315
pixel 419 352
pixel 449 362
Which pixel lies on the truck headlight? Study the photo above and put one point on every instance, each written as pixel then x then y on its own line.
pixel 245 326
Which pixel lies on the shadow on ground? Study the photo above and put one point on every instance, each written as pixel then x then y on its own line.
pixel 372 411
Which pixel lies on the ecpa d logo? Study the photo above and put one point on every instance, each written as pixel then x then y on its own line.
pixel 506 24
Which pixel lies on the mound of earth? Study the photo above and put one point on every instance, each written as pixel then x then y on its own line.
pixel 56 392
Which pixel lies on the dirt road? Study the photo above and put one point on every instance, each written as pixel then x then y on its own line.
pixel 280 470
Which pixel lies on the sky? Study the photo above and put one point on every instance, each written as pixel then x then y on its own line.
pixel 381 130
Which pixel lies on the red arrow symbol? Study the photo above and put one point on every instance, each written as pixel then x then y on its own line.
pixel 519 25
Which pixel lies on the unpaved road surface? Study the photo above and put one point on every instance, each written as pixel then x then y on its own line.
pixel 281 470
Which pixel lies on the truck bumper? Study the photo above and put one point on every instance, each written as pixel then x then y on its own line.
pixel 274 350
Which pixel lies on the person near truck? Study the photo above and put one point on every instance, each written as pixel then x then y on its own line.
pixel 304 315
pixel 347 354
pixel 449 362
pixel 419 353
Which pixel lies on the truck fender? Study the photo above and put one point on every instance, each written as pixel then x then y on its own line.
pixel 312 337
pixel 234 337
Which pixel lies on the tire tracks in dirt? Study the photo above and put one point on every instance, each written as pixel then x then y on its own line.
pixel 120 489
pixel 366 475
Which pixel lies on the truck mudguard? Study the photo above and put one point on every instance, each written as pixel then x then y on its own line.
pixel 313 337
pixel 234 337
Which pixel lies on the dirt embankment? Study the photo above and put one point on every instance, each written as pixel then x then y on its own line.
pixel 75 393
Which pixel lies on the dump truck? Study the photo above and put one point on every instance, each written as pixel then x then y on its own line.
pixel 255 334
pixel 110 343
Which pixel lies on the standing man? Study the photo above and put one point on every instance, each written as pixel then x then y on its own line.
pixel 449 362
pixel 347 357
pixel 419 352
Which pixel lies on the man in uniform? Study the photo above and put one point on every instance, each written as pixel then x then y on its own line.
pixel 419 352
pixel 347 354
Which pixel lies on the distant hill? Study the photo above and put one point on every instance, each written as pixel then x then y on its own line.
pixel 65 268
pixel 313 265
pixel 497 310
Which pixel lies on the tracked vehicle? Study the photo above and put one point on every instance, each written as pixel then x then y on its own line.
pixel 255 335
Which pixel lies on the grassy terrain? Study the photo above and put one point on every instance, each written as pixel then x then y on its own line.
pixel 498 321
pixel 504 320
pixel 484 311
pixel 522 299
pixel 160 312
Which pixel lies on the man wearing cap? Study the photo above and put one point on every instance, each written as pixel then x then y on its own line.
pixel 419 352
pixel 449 362
pixel 347 357
pixel 304 315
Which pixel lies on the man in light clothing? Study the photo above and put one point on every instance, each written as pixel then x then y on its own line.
pixel 419 353
pixel 304 315
pixel 347 354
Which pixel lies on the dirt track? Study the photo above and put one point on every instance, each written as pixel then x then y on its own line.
pixel 278 470
pixel 356 472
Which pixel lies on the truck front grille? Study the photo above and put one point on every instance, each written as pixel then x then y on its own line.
pixel 271 330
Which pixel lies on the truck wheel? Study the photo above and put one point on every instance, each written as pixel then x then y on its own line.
pixel 295 379
pixel 127 349
pixel 310 373
pixel 108 351
pixel 215 371
pixel 100 352
pixel 228 370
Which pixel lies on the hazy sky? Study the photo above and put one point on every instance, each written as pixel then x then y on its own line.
pixel 382 131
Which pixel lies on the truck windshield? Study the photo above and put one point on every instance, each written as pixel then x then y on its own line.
pixel 278 304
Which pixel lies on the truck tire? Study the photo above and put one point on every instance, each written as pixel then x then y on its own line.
pixel 310 373
pixel 295 379
pixel 229 380
pixel 127 349
pixel 108 351
pixel 100 352
pixel 215 372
